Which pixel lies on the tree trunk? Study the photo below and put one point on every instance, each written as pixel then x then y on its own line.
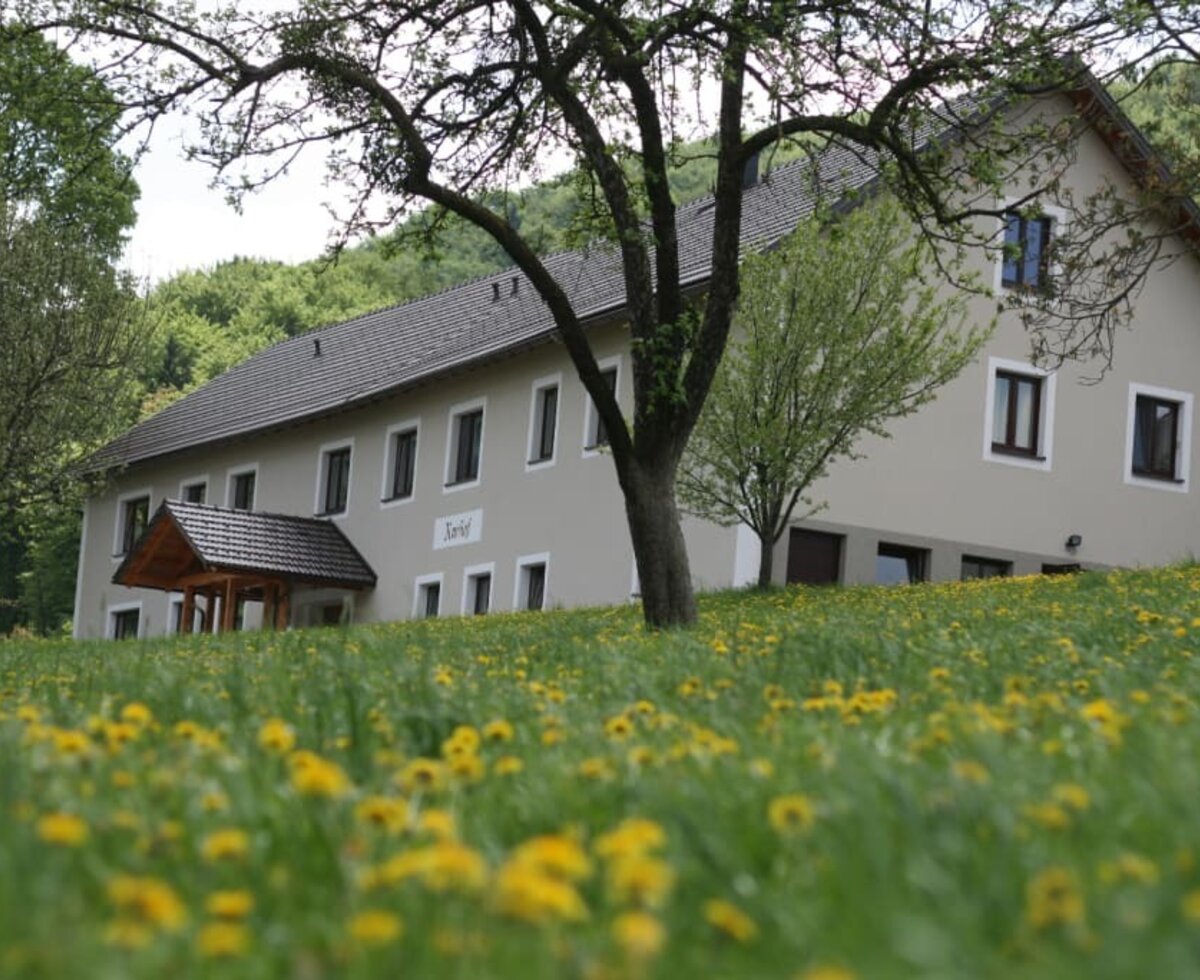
pixel 766 562
pixel 658 546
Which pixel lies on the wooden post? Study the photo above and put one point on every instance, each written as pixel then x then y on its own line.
pixel 282 608
pixel 229 607
pixel 270 591
pixel 210 611
pixel 189 609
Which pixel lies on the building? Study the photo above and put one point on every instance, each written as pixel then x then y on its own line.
pixel 441 457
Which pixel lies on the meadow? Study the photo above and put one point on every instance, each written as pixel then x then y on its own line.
pixel 992 779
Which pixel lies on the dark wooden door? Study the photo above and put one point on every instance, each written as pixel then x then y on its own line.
pixel 814 557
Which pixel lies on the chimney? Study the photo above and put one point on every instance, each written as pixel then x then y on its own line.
pixel 316 346
pixel 750 172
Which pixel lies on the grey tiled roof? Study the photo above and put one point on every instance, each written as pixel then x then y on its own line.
pixel 296 548
pixel 390 349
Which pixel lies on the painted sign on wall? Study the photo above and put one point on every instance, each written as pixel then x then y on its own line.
pixel 456 529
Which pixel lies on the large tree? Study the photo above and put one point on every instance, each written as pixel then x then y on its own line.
pixel 444 100
pixel 839 330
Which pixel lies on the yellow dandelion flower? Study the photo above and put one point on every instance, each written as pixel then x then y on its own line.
pixel 122 779
pixel 556 855
pixel 422 776
pixel 793 813
pixel 970 771
pixel 464 740
pixel 136 713
pixel 728 919
pixel 632 837
pixel 639 934
pixel 508 765
pixel 230 904
pixel 1050 816
pixel 223 940
pixel 276 735
pixel 498 731
pixel 214 801
pixel 128 934
pixel 438 823
pixel 467 768
pixel 524 892
pixel 596 768
pixel 827 971
pixel 619 727
pixel 1190 906
pixel 222 845
pixel 384 812
pixel 62 829
pixel 314 776
pixel 640 880
pixel 1052 897
pixel 148 901
pixel 376 927
pixel 1072 795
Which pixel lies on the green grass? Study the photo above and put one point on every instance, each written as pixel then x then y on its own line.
pixel 1002 777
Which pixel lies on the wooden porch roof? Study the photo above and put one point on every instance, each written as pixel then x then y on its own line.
pixel 195 544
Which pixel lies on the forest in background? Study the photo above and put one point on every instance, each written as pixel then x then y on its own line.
pixel 202 322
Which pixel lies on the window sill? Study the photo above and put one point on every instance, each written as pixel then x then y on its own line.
pixel 545 460
pixel 1156 477
pixel 331 513
pixel 397 499
pixel 461 483
pixel 1000 450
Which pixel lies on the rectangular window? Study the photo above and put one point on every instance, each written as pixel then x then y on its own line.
pixel 335 480
pixel 1026 251
pixel 1156 437
pixel 534 583
pixel 125 623
pixel 897 565
pixel 480 593
pixel 1016 413
pixel 241 496
pixel 467 446
pixel 135 515
pixel 599 433
pixel 194 493
pixel 427 601
pixel 545 423
pixel 404 464
pixel 973 567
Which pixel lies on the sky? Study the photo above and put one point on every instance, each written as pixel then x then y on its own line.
pixel 183 223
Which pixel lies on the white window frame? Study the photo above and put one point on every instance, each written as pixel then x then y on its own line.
pixel 192 481
pixel 1045 449
pixel 232 474
pixel 463 408
pixel 521 585
pixel 531 443
pixel 1183 447
pixel 468 598
pixel 323 454
pixel 389 462
pixel 590 415
pixel 1058 227
pixel 110 624
pixel 176 599
pixel 419 584
pixel 119 522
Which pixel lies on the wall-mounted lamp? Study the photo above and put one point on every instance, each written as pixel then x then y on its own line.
pixel 1074 541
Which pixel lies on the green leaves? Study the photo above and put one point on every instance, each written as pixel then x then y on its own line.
pixel 838 331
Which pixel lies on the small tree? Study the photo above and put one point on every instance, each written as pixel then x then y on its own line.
pixel 839 331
